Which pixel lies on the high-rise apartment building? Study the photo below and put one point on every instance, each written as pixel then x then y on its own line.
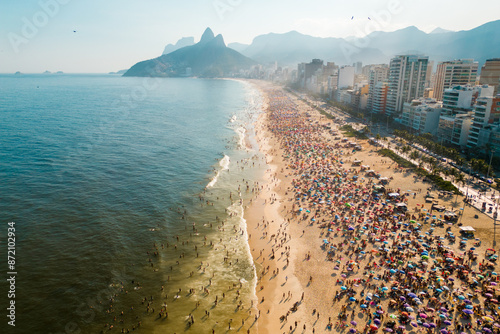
pixel 346 77
pixel 428 76
pixel 377 74
pixel 486 111
pixel 358 66
pixel 379 98
pixel 490 74
pixel 407 75
pixel 454 73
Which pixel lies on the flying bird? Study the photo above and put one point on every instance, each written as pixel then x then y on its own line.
pixel 74 30
pixel 369 18
pixel 352 17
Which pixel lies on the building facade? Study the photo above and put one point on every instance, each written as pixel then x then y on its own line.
pixel 346 77
pixel 454 73
pixel 422 115
pixel 379 98
pixel 307 70
pixel 454 129
pixel 407 75
pixel 457 100
pixel 486 113
pixel 377 74
pixel 490 74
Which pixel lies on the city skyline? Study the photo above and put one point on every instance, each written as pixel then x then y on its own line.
pixel 92 37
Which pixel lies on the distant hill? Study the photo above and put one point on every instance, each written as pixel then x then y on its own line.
pixel 439 30
pixel 118 72
pixel 480 43
pixel 293 47
pixel 210 57
pixel 238 46
pixel 290 48
pixel 184 41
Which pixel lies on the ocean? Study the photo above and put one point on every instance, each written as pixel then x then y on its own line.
pixel 128 197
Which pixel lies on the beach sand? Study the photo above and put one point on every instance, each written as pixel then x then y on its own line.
pixel 299 272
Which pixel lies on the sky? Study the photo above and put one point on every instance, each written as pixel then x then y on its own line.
pixel 90 36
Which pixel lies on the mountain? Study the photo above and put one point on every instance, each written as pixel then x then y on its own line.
pixel 293 47
pixel 480 43
pixel 118 72
pixel 439 30
pixel 240 47
pixel 290 48
pixel 210 57
pixel 399 41
pixel 184 41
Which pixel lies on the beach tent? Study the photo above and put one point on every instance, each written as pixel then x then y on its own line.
pixel 384 180
pixel 450 215
pixel 467 231
pixel 401 206
pixel 439 208
pixel 370 172
pixel 378 189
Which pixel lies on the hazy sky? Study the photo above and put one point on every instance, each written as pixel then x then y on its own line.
pixel 114 34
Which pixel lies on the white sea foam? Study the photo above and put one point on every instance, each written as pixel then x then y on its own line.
pixel 237 208
pixel 241 135
pixel 224 164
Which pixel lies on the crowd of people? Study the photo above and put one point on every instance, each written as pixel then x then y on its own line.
pixel 397 270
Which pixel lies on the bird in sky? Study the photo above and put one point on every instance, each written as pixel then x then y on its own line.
pixel 352 17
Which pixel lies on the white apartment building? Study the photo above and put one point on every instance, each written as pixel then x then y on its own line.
pixel 422 115
pixel 486 112
pixel 346 77
pixel 407 75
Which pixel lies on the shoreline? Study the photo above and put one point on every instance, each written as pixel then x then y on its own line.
pixel 277 288
pixel 274 228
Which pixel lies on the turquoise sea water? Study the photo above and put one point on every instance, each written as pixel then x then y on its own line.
pixel 101 174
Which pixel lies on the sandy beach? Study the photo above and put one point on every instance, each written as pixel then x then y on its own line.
pixel 323 242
